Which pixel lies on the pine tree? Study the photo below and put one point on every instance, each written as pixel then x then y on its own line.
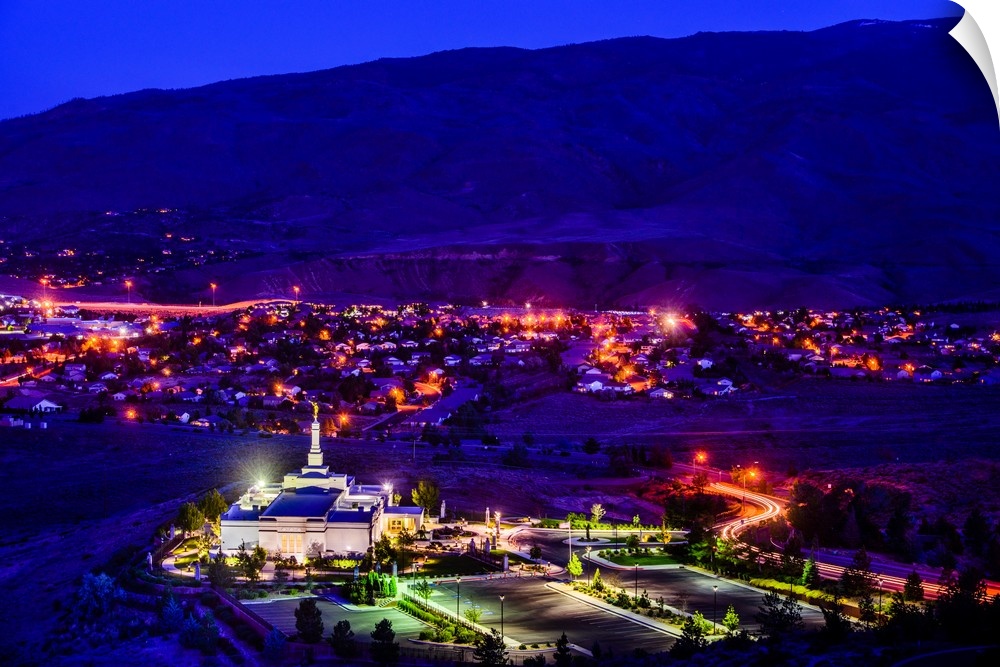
pixel 220 574
pixel 857 579
pixel 691 641
pixel 309 621
pixel 384 647
pixel 596 582
pixel 342 640
pixel 172 615
pixel 913 589
pixel 563 654
pixel 777 616
pixel 866 609
pixel 836 624
pixel 490 649
pixel 810 573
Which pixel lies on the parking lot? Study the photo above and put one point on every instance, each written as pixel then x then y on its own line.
pixel 534 613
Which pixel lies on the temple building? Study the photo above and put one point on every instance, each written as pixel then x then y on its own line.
pixel 315 512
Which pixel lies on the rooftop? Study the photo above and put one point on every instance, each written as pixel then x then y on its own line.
pixel 301 503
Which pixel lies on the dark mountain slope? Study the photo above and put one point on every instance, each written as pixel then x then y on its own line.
pixel 855 162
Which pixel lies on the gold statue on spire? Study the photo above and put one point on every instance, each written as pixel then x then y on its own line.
pixel 315 410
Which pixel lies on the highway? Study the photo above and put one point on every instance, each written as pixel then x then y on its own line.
pixel 831 564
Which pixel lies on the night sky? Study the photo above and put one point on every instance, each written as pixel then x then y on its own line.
pixel 56 50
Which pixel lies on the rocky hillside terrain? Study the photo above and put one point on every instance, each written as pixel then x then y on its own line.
pixel 851 165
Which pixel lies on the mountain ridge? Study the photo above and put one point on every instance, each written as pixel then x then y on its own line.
pixel 869 147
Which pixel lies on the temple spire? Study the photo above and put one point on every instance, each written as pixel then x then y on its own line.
pixel 315 453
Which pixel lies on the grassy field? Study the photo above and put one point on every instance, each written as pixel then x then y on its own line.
pixel 809 424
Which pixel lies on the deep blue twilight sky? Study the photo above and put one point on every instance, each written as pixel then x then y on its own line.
pixel 55 50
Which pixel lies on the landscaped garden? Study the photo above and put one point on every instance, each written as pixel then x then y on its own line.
pixel 640 557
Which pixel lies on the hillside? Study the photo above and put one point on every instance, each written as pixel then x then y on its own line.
pixel 844 166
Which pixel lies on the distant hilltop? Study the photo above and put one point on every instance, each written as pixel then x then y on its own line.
pixel 846 166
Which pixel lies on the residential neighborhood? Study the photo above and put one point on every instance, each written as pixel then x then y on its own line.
pixel 375 370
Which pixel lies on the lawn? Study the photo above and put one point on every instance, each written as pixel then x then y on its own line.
pixel 642 559
pixel 445 566
pixel 511 556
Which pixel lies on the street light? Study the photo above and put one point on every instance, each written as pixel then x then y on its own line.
pixel 715 599
pixel 458 597
pixel 751 473
pixel 587 554
pixel 699 457
pixel 296 290
pixel 128 286
pixel 501 617
pixel 636 581
pixel 880 596
pixel 213 286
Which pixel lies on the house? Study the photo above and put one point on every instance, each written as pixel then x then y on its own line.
pixel 452 360
pixel 519 347
pixel 661 393
pixel 32 404
pixel 209 421
pixel 721 388
pixel 188 397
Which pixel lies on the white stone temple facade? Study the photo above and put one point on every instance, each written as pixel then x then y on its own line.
pixel 315 512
